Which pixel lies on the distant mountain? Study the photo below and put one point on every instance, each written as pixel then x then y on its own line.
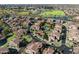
pixel 40 5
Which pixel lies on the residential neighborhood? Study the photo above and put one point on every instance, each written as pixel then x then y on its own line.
pixel 39 29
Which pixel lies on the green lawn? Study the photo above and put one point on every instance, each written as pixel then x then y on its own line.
pixel 52 13
pixel 23 13
pixel 57 44
pixel 9 40
pixel 27 38
pixel 69 43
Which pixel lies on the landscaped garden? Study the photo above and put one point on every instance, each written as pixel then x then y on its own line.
pixel 52 13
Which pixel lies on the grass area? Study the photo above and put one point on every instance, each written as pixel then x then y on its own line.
pixel 27 38
pixel 5 12
pixel 9 40
pixel 52 13
pixel 10 12
pixel 69 43
pixel 23 13
pixel 57 44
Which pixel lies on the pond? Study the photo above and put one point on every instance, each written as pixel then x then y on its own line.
pixel 64 49
pixel 3 41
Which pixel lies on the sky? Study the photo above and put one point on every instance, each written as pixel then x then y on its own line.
pixel 39 2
